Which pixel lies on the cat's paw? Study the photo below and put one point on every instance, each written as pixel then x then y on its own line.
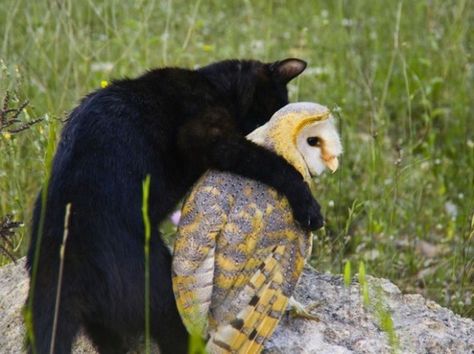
pixel 307 211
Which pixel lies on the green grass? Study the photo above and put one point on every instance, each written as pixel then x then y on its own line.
pixel 146 222
pixel 398 74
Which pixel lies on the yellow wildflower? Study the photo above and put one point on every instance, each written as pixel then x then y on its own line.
pixel 208 47
pixel 104 84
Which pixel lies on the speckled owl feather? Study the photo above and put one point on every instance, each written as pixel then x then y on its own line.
pixel 239 253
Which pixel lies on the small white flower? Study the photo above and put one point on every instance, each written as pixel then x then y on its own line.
pixel 347 22
pixel 102 66
pixel 257 45
pixel 425 165
pixel 337 109
pixel 451 209
pixel 175 217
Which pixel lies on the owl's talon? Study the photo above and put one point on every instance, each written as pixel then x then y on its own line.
pixel 296 309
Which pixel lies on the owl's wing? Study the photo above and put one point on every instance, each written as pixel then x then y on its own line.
pixel 259 316
pixel 193 260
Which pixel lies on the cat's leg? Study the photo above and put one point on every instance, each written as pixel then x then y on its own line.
pixel 105 339
pixel 245 158
pixel 207 141
pixel 43 312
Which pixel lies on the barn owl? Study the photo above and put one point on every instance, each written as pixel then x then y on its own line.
pixel 239 253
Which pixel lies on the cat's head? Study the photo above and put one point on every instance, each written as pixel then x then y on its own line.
pixel 255 90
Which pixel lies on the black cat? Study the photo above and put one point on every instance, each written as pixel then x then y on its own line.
pixel 170 123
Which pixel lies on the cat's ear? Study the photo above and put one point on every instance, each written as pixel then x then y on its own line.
pixel 288 69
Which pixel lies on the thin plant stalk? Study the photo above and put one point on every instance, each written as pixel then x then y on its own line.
pixel 146 222
pixel 60 276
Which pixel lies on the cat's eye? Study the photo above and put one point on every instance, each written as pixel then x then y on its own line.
pixel 314 141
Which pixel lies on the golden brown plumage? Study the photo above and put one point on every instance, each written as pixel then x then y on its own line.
pixel 239 253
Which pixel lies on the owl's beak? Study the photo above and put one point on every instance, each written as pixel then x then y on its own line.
pixel 331 162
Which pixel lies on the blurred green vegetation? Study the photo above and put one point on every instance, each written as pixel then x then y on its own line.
pixel 399 76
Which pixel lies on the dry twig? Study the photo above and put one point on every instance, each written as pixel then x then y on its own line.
pixel 7 231
pixel 9 121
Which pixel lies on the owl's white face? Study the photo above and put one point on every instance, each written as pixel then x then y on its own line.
pixel 320 146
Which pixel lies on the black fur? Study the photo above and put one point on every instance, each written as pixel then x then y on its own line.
pixel 172 124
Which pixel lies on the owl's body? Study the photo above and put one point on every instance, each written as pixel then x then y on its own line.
pixel 239 253
pixel 255 226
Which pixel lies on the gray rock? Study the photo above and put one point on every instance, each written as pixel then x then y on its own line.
pixel 344 325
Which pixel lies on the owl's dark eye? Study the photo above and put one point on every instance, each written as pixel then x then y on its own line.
pixel 313 141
